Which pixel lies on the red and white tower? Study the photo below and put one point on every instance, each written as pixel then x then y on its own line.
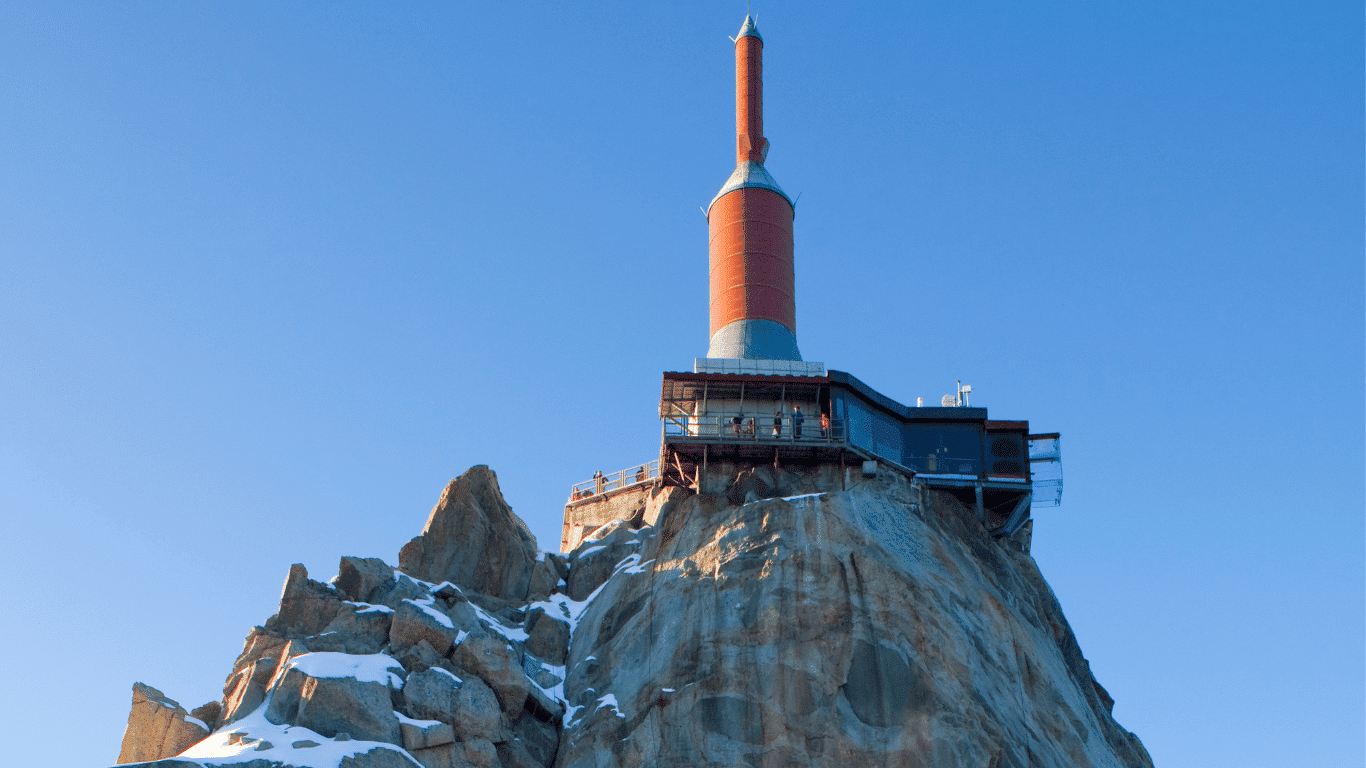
pixel 753 310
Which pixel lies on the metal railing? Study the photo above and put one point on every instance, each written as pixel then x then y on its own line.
pixel 597 486
pixel 754 428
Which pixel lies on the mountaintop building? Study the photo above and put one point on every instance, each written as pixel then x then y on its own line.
pixel 753 401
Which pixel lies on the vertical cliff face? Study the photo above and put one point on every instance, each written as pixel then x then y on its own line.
pixel 875 626
pixel 779 619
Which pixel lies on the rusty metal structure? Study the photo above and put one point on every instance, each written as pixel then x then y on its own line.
pixel 752 286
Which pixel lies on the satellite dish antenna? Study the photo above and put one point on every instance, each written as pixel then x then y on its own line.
pixel 948 401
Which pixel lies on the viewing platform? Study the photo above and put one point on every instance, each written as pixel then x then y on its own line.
pixel 602 485
pixel 834 418
pixel 725 421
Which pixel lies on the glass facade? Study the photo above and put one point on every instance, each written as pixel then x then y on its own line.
pixel 937 448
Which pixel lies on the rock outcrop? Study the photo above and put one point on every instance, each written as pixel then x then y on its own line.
pixel 158 727
pixel 473 540
pixel 775 619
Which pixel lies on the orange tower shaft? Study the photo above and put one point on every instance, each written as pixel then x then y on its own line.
pixel 752 284
pixel 750 144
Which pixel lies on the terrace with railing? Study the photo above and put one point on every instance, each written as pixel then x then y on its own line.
pixel 740 427
pixel 602 485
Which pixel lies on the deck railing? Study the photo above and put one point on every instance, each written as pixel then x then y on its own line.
pixel 753 428
pixel 635 475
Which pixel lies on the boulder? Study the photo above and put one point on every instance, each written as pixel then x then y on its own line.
pixel 306 606
pixel 356 629
pixel 477 712
pixel 312 692
pixel 547 636
pixel 209 714
pixel 357 577
pixel 421 734
pixel 422 657
pixel 392 593
pixel 463 617
pixel 415 622
pixel 490 658
pixel 480 753
pixel 473 539
pixel 157 728
pixel 430 695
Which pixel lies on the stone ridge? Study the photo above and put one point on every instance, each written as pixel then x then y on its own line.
pixel 776 619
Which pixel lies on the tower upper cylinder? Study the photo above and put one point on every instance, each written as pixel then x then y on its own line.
pixel 752 284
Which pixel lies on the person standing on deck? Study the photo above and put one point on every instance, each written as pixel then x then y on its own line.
pixel 797 422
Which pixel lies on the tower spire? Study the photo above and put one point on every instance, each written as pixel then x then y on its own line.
pixel 750 143
pixel 753 312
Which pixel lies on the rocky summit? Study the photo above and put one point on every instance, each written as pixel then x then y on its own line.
pixel 778 618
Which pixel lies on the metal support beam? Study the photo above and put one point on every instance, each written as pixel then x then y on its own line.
pixel 1018 517
pixel 981 509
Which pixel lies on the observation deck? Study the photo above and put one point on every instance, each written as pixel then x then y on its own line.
pixel 734 420
pixel 837 419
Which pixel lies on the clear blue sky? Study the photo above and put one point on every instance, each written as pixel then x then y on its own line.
pixel 271 275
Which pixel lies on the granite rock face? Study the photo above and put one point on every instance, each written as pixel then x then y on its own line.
pixel 878 626
pixel 777 618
